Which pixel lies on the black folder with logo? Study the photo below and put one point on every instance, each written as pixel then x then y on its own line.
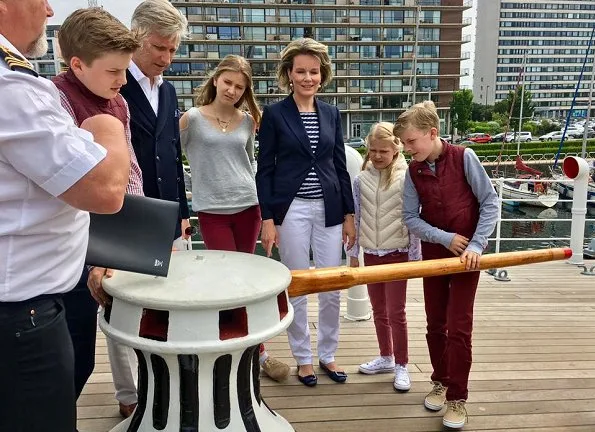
pixel 138 238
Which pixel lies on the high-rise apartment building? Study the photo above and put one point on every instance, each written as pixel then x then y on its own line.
pixel 49 65
pixel 371 43
pixel 551 35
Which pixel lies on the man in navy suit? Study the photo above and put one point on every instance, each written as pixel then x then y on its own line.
pixel 154 125
pixel 154 114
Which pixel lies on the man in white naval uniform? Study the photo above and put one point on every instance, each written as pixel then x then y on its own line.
pixel 51 175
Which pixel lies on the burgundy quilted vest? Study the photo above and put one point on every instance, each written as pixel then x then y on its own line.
pixel 447 200
pixel 87 104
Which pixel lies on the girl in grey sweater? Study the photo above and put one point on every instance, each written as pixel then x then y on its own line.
pixel 218 139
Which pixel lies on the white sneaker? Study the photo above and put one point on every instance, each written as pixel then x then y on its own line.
pixel 377 366
pixel 402 381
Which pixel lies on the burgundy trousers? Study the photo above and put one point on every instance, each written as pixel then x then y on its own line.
pixel 449 304
pixel 231 232
pixel 388 305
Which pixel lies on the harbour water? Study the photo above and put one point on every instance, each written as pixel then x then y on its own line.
pixel 522 231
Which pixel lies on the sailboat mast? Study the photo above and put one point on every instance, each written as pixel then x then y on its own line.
pixel 518 135
pixel 585 132
pixel 576 90
pixel 415 46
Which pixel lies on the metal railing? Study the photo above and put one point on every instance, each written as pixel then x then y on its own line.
pixel 545 157
pixel 498 239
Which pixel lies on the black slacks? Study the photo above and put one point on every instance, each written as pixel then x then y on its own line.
pixel 36 367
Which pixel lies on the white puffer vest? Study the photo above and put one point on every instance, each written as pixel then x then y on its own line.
pixel 381 210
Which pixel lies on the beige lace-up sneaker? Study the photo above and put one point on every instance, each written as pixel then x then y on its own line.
pixel 456 414
pixel 436 399
pixel 275 369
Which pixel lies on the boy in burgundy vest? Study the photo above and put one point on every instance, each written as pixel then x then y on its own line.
pixel 97 49
pixel 449 203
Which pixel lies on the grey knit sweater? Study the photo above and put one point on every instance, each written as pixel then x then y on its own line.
pixel 221 163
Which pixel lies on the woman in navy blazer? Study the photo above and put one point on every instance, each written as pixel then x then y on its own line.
pixel 304 192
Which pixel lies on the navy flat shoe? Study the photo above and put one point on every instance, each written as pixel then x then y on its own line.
pixel 308 380
pixel 338 377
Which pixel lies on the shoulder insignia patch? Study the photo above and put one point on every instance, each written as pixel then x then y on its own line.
pixel 15 62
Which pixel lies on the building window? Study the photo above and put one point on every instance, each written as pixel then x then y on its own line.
pixel 391 17
pixel 300 16
pixel 369 17
pixel 254 15
pixel 393 51
pixel 228 33
pixel 430 17
pixel 392 69
pixel 254 33
pixel 256 52
pixel 229 49
pixel 367 69
pixel 325 16
pixel 325 34
pixel 392 85
pixel 228 14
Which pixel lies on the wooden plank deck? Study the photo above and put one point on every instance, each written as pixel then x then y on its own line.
pixel 533 369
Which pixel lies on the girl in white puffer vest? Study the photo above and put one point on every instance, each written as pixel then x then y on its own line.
pixel 381 232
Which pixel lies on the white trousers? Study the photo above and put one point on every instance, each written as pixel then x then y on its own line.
pixel 123 360
pixel 302 228
pixel 124 371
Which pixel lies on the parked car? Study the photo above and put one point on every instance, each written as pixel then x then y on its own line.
pixel 524 137
pixel 447 138
pixel 479 138
pixel 549 136
pixel 553 136
pixel 573 133
pixel 356 142
pixel 500 137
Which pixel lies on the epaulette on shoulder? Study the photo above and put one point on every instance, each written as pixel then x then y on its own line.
pixel 15 62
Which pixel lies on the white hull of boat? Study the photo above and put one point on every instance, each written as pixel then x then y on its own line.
pixel 526 197
pixel 566 190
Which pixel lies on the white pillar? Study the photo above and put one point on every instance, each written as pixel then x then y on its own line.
pixel 358 305
pixel 577 169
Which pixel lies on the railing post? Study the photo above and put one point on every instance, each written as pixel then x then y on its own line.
pixel 577 169
pixel 499 275
pixel 358 308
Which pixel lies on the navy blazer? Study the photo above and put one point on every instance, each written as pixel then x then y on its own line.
pixel 285 157
pixel 156 143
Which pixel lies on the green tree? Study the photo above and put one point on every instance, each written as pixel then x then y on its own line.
pixel 481 113
pixel 546 126
pixel 503 106
pixel 461 109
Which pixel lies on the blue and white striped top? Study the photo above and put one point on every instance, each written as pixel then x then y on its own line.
pixel 311 187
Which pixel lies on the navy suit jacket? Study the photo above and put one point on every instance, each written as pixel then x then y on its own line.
pixel 156 143
pixel 285 157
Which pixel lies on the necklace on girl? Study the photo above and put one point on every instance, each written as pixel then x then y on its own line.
pixel 223 125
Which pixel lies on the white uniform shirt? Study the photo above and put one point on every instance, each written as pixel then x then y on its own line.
pixel 152 93
pixel 43 240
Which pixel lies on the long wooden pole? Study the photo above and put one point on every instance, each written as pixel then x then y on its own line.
pixel 334 278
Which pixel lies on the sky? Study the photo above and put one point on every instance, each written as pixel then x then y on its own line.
pixel 121 9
